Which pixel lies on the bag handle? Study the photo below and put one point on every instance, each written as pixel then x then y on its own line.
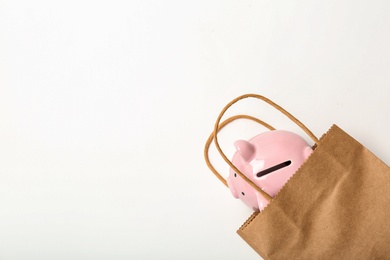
pixel 217 127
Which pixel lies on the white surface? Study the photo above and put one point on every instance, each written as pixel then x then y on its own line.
pixel 105 107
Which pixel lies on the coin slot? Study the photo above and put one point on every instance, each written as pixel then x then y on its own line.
pixel 273 168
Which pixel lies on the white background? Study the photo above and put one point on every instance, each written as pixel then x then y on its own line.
pixel 105 107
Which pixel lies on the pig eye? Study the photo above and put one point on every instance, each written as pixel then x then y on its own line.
pixel 273 168
pixel 235 174
pixel 243 193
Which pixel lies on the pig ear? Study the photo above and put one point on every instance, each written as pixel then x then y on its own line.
pixel 245 149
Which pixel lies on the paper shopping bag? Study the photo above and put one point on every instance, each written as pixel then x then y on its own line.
pixel 336 206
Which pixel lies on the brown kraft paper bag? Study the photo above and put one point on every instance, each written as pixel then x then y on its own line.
pixel 336 206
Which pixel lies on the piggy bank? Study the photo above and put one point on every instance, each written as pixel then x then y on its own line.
pixel 268 160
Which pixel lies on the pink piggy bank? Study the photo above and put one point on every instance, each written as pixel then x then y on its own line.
pixel 268 160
